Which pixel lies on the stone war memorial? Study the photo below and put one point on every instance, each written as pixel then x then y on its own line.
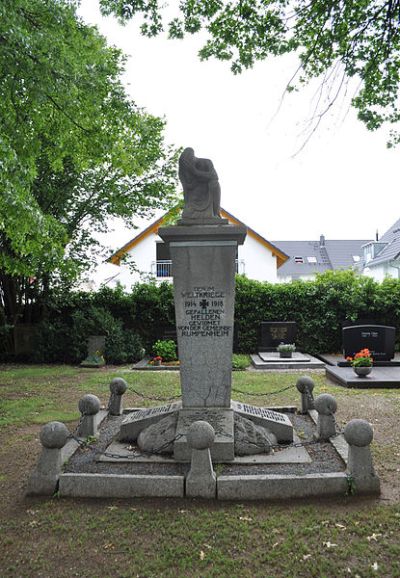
pixel 170 450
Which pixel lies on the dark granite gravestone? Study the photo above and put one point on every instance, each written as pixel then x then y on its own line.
pixel 275 332
pixel 379 339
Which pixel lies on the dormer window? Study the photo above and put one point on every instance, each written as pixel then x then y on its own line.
pixel 356 258
pixel 299 260
pixel 312 259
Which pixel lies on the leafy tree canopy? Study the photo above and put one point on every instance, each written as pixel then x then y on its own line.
pixel 74 150
pixel 339 39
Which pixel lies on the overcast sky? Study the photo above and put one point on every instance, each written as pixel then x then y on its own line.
pixel 343 184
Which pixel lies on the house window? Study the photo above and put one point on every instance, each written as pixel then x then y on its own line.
pixel 162 252
pixel 312 259
pixel 163 260
pixel 299 260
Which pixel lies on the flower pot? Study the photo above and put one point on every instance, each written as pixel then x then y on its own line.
pixel 362 371
pixel 157 362
pixel 285 354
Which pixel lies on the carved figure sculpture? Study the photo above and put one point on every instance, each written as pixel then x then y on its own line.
pixel 202 192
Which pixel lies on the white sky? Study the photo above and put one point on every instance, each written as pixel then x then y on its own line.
pixel 344 184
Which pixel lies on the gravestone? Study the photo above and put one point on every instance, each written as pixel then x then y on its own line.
pixel 379 339
pixel 275 332
pixel 96 347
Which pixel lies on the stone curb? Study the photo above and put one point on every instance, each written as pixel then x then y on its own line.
pixel 279 487
pixel 120 486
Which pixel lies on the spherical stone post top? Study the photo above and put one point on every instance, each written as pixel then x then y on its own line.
pixel 358 432
pixel 304 384
pixel 118 386
pixel 89 404
pixel 200 435
pixel 325 404
pixel 54 435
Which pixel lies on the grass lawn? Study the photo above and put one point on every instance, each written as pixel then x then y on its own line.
pixel 152 538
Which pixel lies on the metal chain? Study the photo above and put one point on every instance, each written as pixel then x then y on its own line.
pixel 155 398
pixel 262 394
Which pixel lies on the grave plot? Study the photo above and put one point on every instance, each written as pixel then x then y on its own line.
pixel 273 334
pixel 380 341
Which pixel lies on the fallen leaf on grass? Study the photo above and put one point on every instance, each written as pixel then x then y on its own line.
pixel 375 566
pixel 245 519
pixel 306 556
pixel 111 508
pixel 374 537
pixel 32 512
pixel 108 546
pixel 275 545
pixel 329 544
pixel 202 555
pixel 341 526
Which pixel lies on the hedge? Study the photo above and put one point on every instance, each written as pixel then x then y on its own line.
pixel 137 319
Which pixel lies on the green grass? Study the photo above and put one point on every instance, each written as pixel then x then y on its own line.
pixel 171 538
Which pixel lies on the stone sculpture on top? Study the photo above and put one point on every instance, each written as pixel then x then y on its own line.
pixel 201 188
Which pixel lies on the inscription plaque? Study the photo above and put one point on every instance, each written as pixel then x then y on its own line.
pixel 134 423
pixel 278 423
pixel 275 332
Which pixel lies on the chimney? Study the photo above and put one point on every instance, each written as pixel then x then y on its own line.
pixel 322 241
pixel 376 236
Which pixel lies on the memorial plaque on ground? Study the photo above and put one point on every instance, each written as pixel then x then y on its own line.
pixel 139 420
pixel 379 339
pixel 278 423
pixel 275 332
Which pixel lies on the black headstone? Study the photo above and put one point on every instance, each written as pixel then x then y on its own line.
pixel 275 332
pixel 379 339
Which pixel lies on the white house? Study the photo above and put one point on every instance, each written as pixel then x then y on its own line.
pixel 257 258
pixel 381 258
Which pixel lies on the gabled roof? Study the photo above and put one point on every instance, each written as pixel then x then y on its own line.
pixel 392 250
pixel 280 255
pixel 318 256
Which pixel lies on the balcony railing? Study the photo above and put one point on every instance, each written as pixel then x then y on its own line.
pixel 162 269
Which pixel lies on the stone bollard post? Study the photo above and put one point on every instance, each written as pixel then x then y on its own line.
pixel 326 407
pixel 118 387
pixel 44 478
pixel 201 481
pixel 89 406
pixel 305 386
pixel 358 433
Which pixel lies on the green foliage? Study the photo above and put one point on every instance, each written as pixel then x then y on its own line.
pixel 138 319
pixel 74 149
pixel 166 349
pixel 240 362
pixel 334 40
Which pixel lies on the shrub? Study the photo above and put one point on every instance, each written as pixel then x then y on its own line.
pixel 166 349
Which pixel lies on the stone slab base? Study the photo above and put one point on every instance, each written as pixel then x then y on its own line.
pixel 314 363
pixel 274 357
pixel 120 486
pixel 222 421
pixel 380 377
pixel 289 455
